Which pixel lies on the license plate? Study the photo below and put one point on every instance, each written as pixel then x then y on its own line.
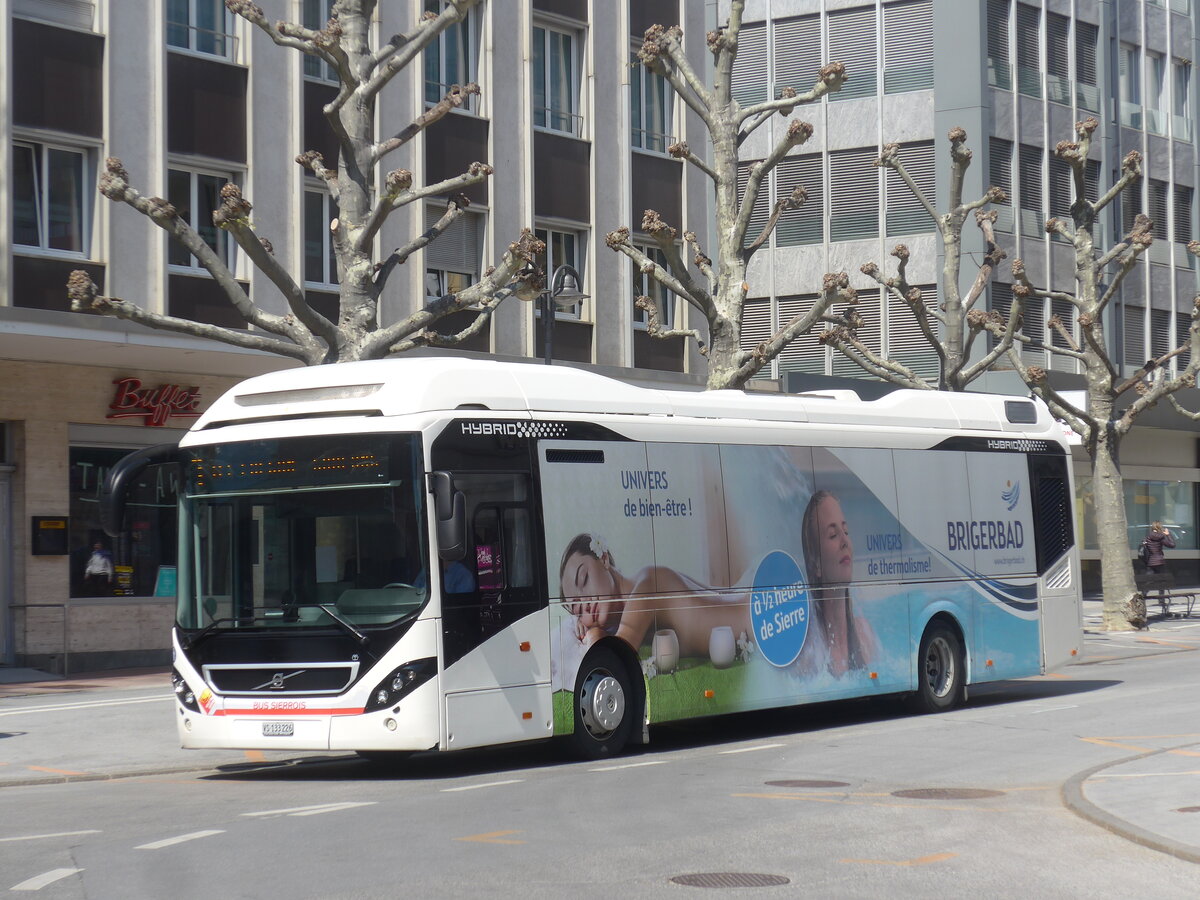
pixel 278 729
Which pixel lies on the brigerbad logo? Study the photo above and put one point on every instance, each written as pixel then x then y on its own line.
pixel 779 608
pixel 1011 494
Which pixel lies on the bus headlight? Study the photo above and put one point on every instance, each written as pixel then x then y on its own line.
pixel 185 695
pixel 404 680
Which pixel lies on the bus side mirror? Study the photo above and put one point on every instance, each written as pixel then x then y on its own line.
pixel 114 492
pixel 451 508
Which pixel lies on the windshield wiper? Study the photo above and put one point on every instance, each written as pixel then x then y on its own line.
pixel 330 611
pixel 206 631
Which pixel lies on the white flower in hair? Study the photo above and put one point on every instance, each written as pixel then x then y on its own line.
pixel 598 546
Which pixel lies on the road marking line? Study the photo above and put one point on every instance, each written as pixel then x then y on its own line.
pixel 38 837
pixel 1055 708
pixel 652 762
pixel 1107 743
pixel 91 704
pixel 491 837
pixel 256 756
pixel 473 787
pixel 919 861
pixel 307 810
pixel 1184 752
pixel 1166 643
pixel 183 838
pixel 40 881
pixel 1140 774
pixel 752 749
pixel 54 771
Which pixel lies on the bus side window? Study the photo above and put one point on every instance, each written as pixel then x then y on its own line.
pixel 518 548
pixel 489 555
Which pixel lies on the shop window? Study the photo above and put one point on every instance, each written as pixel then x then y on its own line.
pixel 140 556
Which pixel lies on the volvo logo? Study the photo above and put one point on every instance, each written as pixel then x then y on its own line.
pixel 277 681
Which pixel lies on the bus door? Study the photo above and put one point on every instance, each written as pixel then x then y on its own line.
pixel 496 637
pixel 1057 560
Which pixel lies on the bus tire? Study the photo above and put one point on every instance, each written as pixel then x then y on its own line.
pixel 940 670
pixel 604 705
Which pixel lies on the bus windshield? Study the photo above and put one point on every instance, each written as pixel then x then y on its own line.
pixel 303 533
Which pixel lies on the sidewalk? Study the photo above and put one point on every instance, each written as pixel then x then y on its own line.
pixel 1151 798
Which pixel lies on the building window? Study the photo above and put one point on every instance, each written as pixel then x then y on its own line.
pixel 1029 50
pixel 1033 217
pixel 852 41
pixel 1060 185
pixel 908 47
pixel 853 195
pixel 762 203
pixel 906 343
pixel 453 261
pixel 202 26
pixel 556 81
pixel 1135 336
pixel 565 248
pixel 650 103
pixel 1000 154
pixel 1087 90
pixel 905 213
pixel 646 285
pixel 747 84
pixel 805 225
pixel 320 261
pixel 1181 107
pixel 1130 84
pixel 1159 206
pixel 129 564
pixel 314 15
pixel 1182 232
pixel 52 197
pixel 999 65
pixel 195 195
pixel 1058 57
pixel 1156 93
pixel 797 56
pixel 451 58
pixel 1183 324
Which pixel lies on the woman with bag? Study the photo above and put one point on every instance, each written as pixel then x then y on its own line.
pixel 1158 579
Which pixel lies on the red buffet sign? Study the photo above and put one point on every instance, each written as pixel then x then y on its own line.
pixel 155 405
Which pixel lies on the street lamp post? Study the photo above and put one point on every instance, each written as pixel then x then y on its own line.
pixel 563 292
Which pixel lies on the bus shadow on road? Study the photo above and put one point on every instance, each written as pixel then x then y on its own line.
pixel 711 733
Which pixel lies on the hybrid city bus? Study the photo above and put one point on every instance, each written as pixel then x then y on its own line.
pixel 436 554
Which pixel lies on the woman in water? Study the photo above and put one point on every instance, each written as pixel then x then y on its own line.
pixel 604 601
pixel 838 640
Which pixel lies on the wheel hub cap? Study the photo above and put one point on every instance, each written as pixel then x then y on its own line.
pixel 603 703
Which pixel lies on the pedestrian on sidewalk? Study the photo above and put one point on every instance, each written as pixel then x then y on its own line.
pixel 1158 578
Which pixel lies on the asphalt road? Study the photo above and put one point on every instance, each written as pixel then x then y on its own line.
pixel 845 800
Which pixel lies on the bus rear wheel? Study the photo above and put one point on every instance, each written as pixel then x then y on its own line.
pixel 603 706
pixel 940 670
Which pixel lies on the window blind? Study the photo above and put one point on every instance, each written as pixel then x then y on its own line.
pixel 797 55
pixel 805 225
pixel 907 46
pixel 852 43
pixel 905 214
pixel 748 84
pixel 853 195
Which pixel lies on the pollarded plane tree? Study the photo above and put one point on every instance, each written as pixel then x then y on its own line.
pixel 363 205
pixel 1113 402
pixel 952 329
pixel 718 289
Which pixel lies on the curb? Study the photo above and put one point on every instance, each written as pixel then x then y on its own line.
pixel 1073 798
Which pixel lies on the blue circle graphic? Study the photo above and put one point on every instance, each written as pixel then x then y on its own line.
pixel 779 608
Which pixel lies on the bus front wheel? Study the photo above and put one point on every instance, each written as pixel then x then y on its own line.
pixel 940 670
pixel 603 706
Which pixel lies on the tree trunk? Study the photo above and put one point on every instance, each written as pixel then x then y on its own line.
pixel 1124 607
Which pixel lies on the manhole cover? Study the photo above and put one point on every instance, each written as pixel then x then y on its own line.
pixel 947 794
pixel 1188 809
pixel 808 783
pixel 729 880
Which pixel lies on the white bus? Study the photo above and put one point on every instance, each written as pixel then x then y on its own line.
pixel 420 554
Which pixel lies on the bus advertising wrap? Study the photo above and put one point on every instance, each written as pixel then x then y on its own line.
pixel 752 576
